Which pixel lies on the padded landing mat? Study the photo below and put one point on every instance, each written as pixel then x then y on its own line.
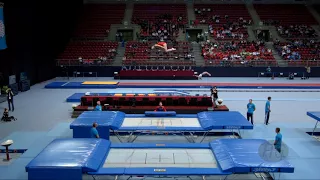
pixel 80 85
pixel 99 83
pixel 220 85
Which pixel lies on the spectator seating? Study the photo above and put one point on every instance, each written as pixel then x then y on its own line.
pixel 285 14
pixel 97 19
pixel 235 16
pixel 296 31
pixel 140 53
pixel 89 51
pixel 155 17
pixel 299 52
pixel 236 54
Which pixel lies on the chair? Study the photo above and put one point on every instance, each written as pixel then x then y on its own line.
pixel 84 101
pixel 94 101
pixel 193 102
pixel 169 101
pixel 122 101
pixel 182 102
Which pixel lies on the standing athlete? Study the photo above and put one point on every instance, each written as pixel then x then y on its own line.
pixel 251 108
pixel 267 111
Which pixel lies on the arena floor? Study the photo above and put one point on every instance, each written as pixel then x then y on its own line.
pixel 43 115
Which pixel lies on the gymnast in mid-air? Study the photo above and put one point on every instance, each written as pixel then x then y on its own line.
pixel 202 74
pixel 163 45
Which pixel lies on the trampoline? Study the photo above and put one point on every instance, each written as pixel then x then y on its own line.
pixel 66 159
pixel 158 123
pixel 315 116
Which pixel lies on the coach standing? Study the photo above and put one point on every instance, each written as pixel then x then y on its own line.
pixel 251 108
pixel 10 99
pixel 267 111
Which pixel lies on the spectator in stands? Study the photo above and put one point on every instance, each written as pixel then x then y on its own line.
pixel 251 108
pixel 117 37
pixel 94 132
pixel 278 140
pixel 267 111
pixel 80 59
pixel 98 106
pixel 308 69
pixel 160 107
pixel 10 99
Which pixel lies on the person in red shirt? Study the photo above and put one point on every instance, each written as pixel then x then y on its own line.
pixel 164 46
pixel 160 107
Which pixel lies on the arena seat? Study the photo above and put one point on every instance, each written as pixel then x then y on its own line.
pixel 245 53
pixel 234 13
pixel 306 50
pixel 97 19
pixel 154 17
pixel 89 51
pixel 285 14
pixel 139 53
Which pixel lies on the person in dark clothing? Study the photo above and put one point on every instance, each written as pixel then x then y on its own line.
pixel 10 99
pixel 6 116
pixel 214 95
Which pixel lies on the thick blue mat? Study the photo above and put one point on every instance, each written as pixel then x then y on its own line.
pixel 314 115
pixel 77 85
pixel 114 119
pixel 69 158
pixel 76 97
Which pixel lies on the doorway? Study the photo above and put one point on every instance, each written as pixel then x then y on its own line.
pixel 191 34
pixel 263 35
pixel 127 34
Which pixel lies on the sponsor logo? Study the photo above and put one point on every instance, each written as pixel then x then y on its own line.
pixel 264 169
pixel 159 170
pixel 232 127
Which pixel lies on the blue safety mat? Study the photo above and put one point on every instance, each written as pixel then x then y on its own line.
pixel 314 115
pixel 76 97
pixel 68 158
pixel 109 119
pixel 160 114
pixel 246 155
pixel 78 85
pixel 113 120
pixel 223 120
pixel 54 85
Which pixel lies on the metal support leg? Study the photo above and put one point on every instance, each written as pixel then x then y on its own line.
pixel 117 135
pixel 315 127
pixel 204 136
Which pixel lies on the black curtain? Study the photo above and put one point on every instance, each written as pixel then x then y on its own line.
pixel 36 32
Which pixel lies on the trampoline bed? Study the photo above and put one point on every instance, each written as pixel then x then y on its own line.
pixel 163 123
pixel 98 157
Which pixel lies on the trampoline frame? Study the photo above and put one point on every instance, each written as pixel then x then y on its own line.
pixel 188 135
